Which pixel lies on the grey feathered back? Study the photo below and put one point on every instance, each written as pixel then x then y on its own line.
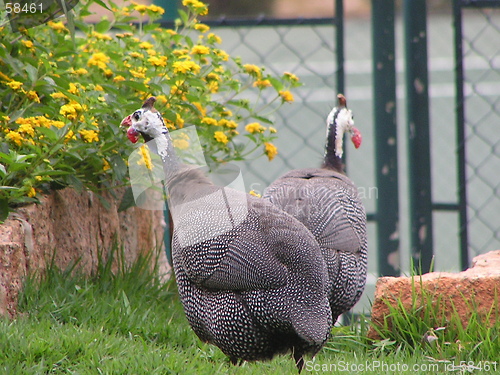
pixel 327 203
pixel 256 288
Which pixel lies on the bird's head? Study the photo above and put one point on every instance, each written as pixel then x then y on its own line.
pixel 146 121
pixel 339 121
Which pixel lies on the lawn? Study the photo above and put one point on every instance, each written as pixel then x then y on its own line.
pixel 128 322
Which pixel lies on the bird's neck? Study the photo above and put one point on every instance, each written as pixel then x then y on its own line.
pixel 163 146
pixel 331 160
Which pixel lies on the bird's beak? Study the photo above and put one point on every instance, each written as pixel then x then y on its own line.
pixel 356 137
pixel 127 121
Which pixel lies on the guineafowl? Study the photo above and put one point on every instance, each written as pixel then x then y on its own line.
pixel 251 278
pixel 327 202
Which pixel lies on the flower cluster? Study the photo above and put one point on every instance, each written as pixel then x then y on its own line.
pixel 63 95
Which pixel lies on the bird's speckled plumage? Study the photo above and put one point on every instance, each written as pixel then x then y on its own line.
pixel 251 277
pixel 327 202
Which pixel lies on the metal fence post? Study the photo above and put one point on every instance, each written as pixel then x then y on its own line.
pixel 386 158
pixel 417 96
pixel 460 118
pixel 171 9
pixel 339 42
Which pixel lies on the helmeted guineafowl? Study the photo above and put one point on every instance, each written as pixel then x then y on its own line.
pixel 251 278
pixel 327 202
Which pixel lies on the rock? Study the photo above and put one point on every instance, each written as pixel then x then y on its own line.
pixel 76 225
pixel 476 288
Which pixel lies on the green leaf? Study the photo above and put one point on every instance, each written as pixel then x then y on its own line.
pixel 101 3
pixel 263 119
pixel 277 84
pixel 127 200
pixel 4 209
pixel 32 72
pixel 50 134
pixel 135 85
pixel 103 26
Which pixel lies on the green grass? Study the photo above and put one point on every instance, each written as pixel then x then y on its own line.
pixel 130 323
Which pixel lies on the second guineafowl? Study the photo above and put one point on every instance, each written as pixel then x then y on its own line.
pixel 327 202
pixel 251 277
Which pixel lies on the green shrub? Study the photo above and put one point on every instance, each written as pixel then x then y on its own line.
pixel 63 95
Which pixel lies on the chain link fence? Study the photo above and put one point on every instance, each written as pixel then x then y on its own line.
pixel 307 50
pixel 481 52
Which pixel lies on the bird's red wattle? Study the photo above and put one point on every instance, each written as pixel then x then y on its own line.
pixel 133 135
pixel 356 137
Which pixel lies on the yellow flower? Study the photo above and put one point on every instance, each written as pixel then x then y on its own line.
pixel 253 70
pixel 118 79
pixel 58 95
pixel 32 95
pixel 57 26
pixel 286 96
pixel 136 55
pixel 151 52
pixel 262 83
pixel 89 135
pixel 252 192
pixel 70 135
pixel 98 88
pixel 27 43
pixel 106 165
pixel 6 118
pixel 145 45
pixel 161 99
pixel 200 108
pixel 146 157
pixel 98 59
pixel 156 9
pixel 201 27
pixel 254 127
pixel 209 121
pixel 141 8
pixel 179 121
pixel 291 76
pixel 272 130
pixel 15 137
pixel 15 85
pixel 200 50
pixel 186 66
pixel 139 72
pixel 220 137
pixel 171 32
pixel 158 61
pixel 101 36
pixel 213 86
pixel 27 129
pixel 81 71
pixel 212 38
pixel 222 54
pixel 226 112
pixel 38 178
pixel 197 6
pixel 270 150
pixel 31 192
pixel 58 124
pixel 70 111
pixel 73 89
pixel 181 144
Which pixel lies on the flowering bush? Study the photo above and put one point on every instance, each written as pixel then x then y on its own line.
pixel 63 95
